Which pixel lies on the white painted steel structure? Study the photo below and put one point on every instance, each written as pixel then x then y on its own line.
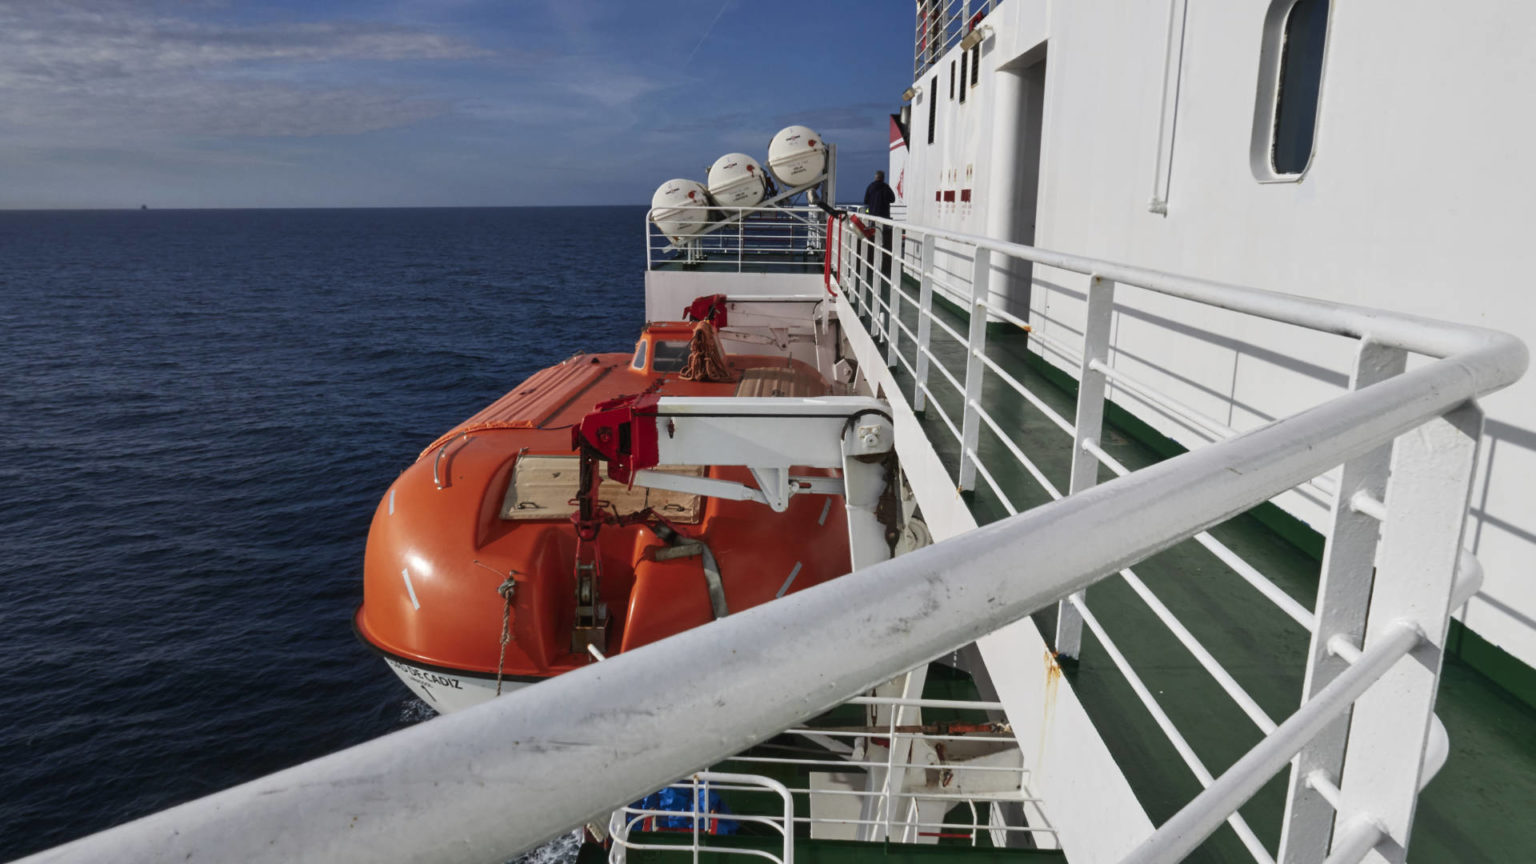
pixel 757 239
pixel 623 823
pixel 941 25
pixel 921 805
pixel 1139 132
pixel 1429 487
pixel 491 781
pixel 771 436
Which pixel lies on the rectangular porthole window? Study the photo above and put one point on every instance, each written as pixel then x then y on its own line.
pixel 951 79
pixel 1290 88
pixel 933 106
pixel 975 65
pixel 965 57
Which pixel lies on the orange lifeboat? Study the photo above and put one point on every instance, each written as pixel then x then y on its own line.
pixel 470 584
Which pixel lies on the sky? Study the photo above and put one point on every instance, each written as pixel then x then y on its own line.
pixel 344 103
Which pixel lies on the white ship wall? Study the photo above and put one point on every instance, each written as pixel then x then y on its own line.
pixel 979 145
pixel 1417 198
pixel 668 292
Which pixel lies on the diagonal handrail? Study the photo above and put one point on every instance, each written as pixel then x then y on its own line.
pixel 489 782
pixel 1418 541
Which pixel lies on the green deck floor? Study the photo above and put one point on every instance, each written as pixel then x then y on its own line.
pixel 1476 810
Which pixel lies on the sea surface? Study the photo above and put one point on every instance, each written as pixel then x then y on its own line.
pixel 199 411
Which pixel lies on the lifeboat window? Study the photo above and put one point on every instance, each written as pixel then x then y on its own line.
pixel 640 355
pixel 670 357
pixel 542 487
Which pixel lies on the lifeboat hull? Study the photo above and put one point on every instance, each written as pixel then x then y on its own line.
pixel 469 574
pixel 448 690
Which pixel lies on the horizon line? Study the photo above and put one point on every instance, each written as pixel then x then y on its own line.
pixel 147 208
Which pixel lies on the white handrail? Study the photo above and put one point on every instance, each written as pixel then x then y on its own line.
pixel 1187 753
pixel 1483 350
pixel 1479 351
pixel 761 236
pixel 497 779
pixel 699 786
pixel 1180 835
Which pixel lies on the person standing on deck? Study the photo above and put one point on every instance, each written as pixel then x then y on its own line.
pixel 878 198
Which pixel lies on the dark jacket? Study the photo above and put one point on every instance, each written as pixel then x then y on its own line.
pixel 878 199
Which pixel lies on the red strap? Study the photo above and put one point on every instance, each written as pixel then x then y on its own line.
pixel 826 257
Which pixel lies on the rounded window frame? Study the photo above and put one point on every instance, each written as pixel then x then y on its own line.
pixel 1267 94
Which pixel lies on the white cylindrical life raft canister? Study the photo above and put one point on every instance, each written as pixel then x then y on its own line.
pixel 797 156
pixel 680 209
pixel 736 180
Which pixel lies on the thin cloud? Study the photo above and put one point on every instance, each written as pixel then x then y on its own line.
pixel 707 30
pixel 74 68
pixel 229 102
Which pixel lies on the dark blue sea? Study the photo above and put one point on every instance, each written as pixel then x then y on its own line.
pixel 198 413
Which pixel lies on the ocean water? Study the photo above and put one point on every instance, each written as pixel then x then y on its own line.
pixel 198 413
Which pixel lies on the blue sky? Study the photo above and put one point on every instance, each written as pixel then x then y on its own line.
pixel 202 103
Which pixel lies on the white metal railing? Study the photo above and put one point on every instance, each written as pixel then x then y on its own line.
pixel 894 814
pixel 925 743
pixel 497 779
pixel 1346 612
pixel 783 238
pixel 942 24
pixel 703 818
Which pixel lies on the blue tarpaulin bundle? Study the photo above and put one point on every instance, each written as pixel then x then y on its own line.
pixel 681 801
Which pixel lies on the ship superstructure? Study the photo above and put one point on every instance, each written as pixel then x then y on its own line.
pixel 1180 337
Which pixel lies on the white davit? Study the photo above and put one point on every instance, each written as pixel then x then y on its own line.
pixel 797 156
pixel 680 209
pixel 736 180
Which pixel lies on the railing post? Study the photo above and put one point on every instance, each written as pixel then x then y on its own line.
pixel 741 240
pixel 695 792
pixel 976 348
pixel 845 252
pixel 851 267
pixel 880 282
pixel 924 323
pixel 872 274
pixel 860 266
pixel 857 268
pixel 1089 427
pixel 1427 497
pixel 1343 595
pixel 893 315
